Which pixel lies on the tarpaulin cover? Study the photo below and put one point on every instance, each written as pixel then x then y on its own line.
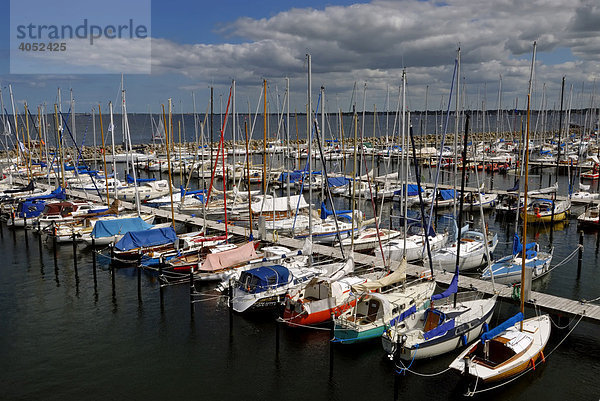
pixel 231 257
pixel 488 335
pixel 262 278
pixel 108 228
pixel 294 175
pixel 447 194
pixel 337 181
pixel 449 291
pixel 441 329
pixel 146 238
pixel 30 208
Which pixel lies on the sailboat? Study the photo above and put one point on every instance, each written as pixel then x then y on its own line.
pixel 443 328
pixel 515 345
pixel 373 312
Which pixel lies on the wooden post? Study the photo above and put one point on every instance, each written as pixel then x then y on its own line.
pixel 191 294
pixel 580 255
pixel 230 304
pixel 277 324
pixel 331 338
pixel 74 251
pixel 139 276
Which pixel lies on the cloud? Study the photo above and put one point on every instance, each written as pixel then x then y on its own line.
pixel 374 42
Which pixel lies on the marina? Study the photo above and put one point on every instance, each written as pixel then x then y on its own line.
pixel 320 202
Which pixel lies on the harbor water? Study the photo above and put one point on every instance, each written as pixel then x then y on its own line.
pixel 69 332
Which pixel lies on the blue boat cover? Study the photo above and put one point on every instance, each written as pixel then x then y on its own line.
pixel 413 190
pixel 410 311
pixel 449 291
pixel 146 238
pixel 337 181
pixel 441 329
pixel 108 228
pixel 262 278
pixel 488 335
pixel 130 179
pixel 30 208
pixel 294 175
pixel 447 194
pixel 58 193
pixel 518 246
pixel 326 212
pixel 190 192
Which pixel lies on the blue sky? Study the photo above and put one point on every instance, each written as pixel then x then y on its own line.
pixel 197 44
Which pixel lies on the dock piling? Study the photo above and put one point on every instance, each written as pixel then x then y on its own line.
pixel 580 254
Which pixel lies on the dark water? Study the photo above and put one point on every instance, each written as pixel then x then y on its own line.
pixel 66 334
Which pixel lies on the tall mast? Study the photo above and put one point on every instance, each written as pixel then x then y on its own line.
pixel 526 185
pixel 73 128
pixel 309 140
pixel 233 128
pixel 323 183
pixel 404 153
pixel 456 121
pixel 104 157
pixel 167 138
pixel 264 177
pixel 128 136
pixel 114 163
pixel 12 101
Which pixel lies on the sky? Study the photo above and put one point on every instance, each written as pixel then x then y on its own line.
pixel 197 44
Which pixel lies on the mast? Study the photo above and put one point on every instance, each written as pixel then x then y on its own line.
pixel 456 118
pixel 104 157
pixel 264 175
pixel 167 135
pixel 114 163
pixel 59 140
pixel 309 139
pixel 526 186
pixel 404 209
pixel 323 183
pixel 12 101
pixel 233 128
pixel 287 99
pixel 128 136
pixel 73 128
pixel 248 182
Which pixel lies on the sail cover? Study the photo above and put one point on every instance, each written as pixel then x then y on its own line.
pixel 449 291
pixel 231 257
pixel 146 238
pixel 279 204
pixel 58 193
pixel 108 228
pixel 397 276
pixel 488 335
